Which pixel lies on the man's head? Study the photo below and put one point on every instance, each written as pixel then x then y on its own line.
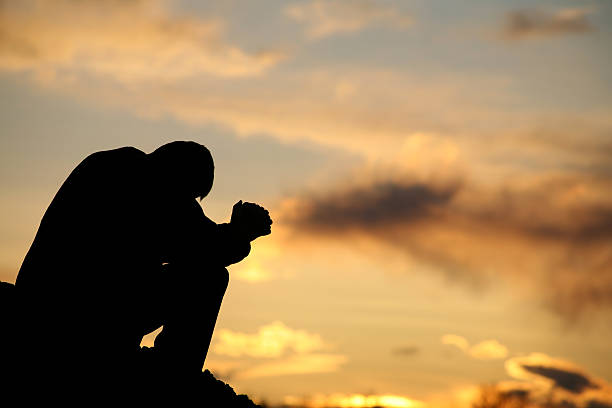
pixel 186 168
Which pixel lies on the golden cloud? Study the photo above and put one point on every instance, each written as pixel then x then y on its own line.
pixel 140 57
pixel 485 350
pixel 130 41
pixel 271 340
pixel 287 351
pixel 309 363
pixel 488 350
pixel 454 340
pixel 149 62
pixel 302 106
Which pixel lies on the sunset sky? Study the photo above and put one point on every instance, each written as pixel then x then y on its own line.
pixel 439 174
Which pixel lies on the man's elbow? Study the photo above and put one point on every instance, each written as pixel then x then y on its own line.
pixel 237 255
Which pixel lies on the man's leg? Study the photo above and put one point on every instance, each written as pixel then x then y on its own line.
pixel 193 302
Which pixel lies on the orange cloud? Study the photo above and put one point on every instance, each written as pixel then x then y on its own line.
pixel 287 352
pixel 458 341
pixel 309 363
pixel 130 42
pixel 488 350
pixel 146 59
pixel 271 340
pixel 141 57
pixel 485 350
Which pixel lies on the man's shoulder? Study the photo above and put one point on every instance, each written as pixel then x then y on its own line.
pixel 107 160
pixel 102 167
pixel 121 153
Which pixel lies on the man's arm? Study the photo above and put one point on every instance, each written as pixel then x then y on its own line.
pixel 232 246
pixel 230 243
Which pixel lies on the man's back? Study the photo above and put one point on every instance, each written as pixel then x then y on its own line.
pixel 86 219
pixel 76 283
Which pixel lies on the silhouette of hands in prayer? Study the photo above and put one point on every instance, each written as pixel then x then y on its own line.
pixel 251 220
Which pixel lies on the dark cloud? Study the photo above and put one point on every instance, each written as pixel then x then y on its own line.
pixel 529 212
pixel 570 381
pixel 532 23
pixel 406 351
pixel 376 206
pixel 554 235
pixel 598 404
pixel 568 385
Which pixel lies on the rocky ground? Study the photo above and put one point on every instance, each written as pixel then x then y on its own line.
pixel 220 394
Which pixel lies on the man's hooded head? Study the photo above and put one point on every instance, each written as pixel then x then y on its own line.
pixel 184 168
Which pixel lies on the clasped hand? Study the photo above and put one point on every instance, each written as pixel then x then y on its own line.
pixel 251 219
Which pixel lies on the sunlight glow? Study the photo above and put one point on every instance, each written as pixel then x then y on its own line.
pixel 354 401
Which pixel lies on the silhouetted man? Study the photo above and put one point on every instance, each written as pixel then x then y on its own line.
pixel 123 249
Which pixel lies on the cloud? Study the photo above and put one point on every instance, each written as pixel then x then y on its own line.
pixel 287 351
pixel 552 209
pixel 546 379
pixel 530 23
pixel 390 106
pixel 376 207
pixel 485 350
pixel 570 381
pixel 271 340
pixel 458 341
pixel 324 18
pixel 406 351
pixel 142 58
pixel 309 363
pixel 538 381
pixel 555 372
pixel 488 350
pixel 129 42
pixel 549 235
